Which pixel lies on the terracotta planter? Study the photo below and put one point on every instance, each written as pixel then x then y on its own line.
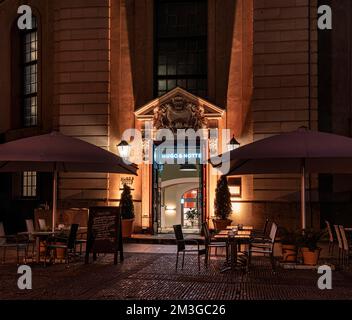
pixel 289 253
pixel 127 228
pixel 221 224
pixel 310 258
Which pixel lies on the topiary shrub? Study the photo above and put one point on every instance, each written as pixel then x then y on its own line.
pixel 222 203
pixel 126 203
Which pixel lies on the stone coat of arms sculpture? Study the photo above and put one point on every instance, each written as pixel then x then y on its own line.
pixel 178 113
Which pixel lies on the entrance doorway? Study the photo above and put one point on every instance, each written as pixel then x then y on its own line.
pixel 177 197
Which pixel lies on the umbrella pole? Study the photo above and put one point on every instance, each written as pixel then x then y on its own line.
pixel 303 197
pixel 54 200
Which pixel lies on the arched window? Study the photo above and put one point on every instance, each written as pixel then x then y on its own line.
pixel 29 74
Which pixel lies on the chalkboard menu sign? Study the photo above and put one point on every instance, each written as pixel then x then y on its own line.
pixel 104 232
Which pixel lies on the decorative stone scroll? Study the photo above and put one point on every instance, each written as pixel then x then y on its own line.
pixel 178 113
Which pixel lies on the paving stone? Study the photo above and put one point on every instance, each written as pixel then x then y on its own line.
pixel 149 276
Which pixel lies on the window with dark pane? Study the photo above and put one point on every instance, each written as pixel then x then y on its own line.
pixel 181 46
pixel 29 40
pixel 29 184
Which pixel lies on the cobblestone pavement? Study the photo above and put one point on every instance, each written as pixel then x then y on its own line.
pixel 153 276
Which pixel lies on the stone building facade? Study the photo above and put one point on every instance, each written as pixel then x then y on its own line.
pixel 100 72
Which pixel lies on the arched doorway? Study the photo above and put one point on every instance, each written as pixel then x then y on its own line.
pixel 177 109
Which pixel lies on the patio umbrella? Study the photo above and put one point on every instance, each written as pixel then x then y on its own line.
pixel 301 151
pixel 55 153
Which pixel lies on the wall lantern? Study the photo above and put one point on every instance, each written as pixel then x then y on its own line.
pixel 124 149
pixel 233 144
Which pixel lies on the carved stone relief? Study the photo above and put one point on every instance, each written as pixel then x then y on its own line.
pixel 178 113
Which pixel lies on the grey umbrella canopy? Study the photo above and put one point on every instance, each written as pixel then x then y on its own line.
pixel 55 153
pixel 301 151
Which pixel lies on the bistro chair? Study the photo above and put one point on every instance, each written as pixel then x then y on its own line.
pixel 29 236
pixel 262 236
pixel 30 231
pixel 266 247
pixel 261 233
pixel 181 246
pixel 211 243
pixel 42 225
pixel 11 242
pixel 347 249
pixel 339 241
pixel 331 238
pixel 68 244
pixel 80 242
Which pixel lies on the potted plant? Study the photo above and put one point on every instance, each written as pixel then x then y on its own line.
pixel 192 215
pixel 308 243
pixel 127 212
pixel 289 242
pixel 222 204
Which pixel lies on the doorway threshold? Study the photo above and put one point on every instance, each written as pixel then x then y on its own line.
pixel 184 230
pixel 161 238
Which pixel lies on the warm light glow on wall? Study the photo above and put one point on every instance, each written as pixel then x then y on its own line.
pixel 170 210
pixel 236 207
pixel 235 187
pixel 145 221
pixel 235 190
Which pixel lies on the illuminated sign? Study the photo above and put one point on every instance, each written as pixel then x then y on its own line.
pixel 177 156
pixel 181 156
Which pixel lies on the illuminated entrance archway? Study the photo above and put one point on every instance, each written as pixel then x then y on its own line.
pixel 178 109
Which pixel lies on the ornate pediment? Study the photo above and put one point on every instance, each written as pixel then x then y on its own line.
pixel 179 113
pixel 179 109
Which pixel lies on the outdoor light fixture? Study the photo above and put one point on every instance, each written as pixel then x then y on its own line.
pixel 188 168
pixel 233 144
pixel 236 207
pixel 124 149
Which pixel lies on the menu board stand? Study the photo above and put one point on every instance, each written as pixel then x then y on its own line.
pixel 104 233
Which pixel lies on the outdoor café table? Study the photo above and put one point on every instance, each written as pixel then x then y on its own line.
pixel 239 237
pixel 243 228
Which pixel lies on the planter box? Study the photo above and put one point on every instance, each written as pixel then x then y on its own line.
pixel 127 227
pixel 310 258
pixel 289 253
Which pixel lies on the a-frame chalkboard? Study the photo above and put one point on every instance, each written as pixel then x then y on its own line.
pixel 104 232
